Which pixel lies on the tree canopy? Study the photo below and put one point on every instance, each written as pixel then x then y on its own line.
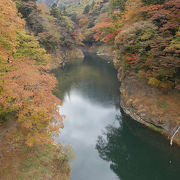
pixel 25 87
pixel 144 36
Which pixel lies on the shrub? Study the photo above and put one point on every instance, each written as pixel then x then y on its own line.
pixel 154 82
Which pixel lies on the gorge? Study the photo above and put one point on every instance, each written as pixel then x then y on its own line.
pixel 66 112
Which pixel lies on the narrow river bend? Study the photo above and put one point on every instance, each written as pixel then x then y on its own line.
pixel 108 144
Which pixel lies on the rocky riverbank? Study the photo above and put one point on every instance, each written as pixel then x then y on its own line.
pixel 65 56
pixel 152 107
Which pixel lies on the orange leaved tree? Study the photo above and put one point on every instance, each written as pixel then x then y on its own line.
pixel 25 87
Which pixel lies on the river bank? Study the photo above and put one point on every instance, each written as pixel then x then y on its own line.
pixel 101 50
pixel 65 56
pixel 150 106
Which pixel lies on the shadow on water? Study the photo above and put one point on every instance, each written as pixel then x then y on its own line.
pixel 137 153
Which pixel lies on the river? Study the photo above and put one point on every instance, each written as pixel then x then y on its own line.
pixel 108 144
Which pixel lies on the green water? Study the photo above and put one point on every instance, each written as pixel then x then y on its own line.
pixel 108 144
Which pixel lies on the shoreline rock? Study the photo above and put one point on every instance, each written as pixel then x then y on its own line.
pixel 138 100
pixel 66 56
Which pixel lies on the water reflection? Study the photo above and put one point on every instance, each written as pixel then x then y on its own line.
pixel 125 150
pixel 135 152
pixel 84 122
pixel 90 93
pixel 94 79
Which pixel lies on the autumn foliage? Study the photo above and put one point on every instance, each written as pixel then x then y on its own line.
pixel 25 87
pixel 105 30
pixel 145 36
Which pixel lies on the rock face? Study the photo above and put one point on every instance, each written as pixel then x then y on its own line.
pixel 65 56
pixel 74 54
pixel 150 106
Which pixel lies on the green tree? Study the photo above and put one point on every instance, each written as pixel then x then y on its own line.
pixel 86 9
pixel 117 4
pixel 54 11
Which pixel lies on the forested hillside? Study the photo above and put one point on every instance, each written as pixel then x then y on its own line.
pixel 25 85
pixel 70 5
pixel 26 99
pixel 146 40
pixel 53 29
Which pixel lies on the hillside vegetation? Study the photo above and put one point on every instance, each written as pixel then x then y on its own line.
pixel 25 87
pixel 145 35
pixel 29 112
pixel 53 28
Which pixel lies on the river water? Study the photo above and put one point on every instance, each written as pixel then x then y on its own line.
pixel 108 144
